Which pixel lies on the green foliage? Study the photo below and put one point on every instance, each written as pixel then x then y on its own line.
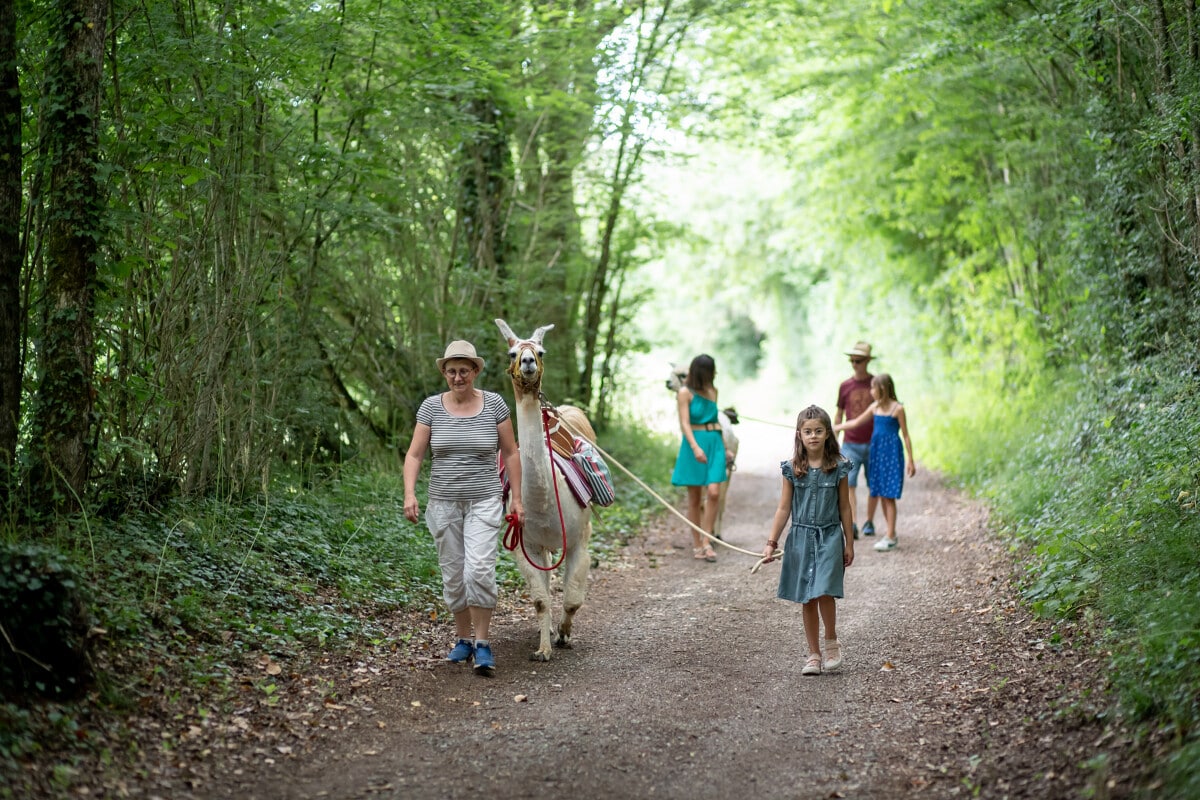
pixel 1100 484
pixel 45 641
pixel 306 202
pixel 208 581
pixel 296 568
pixel 650 456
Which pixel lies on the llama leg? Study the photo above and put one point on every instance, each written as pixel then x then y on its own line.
pixel 575 580
pixel 538 582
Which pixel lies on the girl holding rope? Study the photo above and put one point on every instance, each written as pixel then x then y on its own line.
pixel 820 542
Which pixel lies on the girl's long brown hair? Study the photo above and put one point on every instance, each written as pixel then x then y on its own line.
pixel 701 373
pixel 831 453
pixel 884 381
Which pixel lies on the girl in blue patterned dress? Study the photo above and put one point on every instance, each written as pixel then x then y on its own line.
pixel 888 466
pixel 820 543
pixel 700 465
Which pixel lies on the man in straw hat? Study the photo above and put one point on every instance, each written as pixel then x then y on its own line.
pixel 854 395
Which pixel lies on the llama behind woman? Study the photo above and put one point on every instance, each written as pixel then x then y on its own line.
pixel 545 530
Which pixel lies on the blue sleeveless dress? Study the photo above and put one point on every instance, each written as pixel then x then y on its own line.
pixel 689 471
pixel 812 553
pixel 887 458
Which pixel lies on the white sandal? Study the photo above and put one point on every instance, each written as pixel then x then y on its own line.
pixel 812 666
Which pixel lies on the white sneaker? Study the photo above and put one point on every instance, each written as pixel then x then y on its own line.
pixel 885 544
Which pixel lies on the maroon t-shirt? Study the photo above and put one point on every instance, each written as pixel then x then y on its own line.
pixel 853 398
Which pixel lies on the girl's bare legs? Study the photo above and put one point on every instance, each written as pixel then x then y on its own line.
pixel 828 608
pixel 831 649
pixel 712 497
pixel 695 504
pixel 812 625
pixel 889 516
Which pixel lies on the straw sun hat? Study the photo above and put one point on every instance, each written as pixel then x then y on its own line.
pixel 461 349
pixel 861 349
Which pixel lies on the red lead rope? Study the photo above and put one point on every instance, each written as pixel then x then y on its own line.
pixel 514 534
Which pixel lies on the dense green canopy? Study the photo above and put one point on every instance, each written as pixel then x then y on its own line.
pixel 234 236
pixel 300 205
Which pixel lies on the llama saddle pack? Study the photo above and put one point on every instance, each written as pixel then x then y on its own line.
pixel 584 470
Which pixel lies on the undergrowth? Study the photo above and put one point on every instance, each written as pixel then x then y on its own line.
pixel 199 586
pixel 1096 479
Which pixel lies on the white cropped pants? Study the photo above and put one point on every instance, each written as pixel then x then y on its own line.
pixel 466 533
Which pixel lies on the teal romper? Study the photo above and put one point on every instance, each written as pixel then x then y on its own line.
pixel 689 471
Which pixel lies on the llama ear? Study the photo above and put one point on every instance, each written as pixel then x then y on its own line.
pixel 539 333
pixel 506 332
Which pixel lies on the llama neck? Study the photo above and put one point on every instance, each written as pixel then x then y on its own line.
pixel 536 474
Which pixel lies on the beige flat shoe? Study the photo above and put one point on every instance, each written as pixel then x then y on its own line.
pixel 833 654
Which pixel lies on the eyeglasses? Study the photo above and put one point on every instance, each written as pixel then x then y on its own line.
pixel 465 372
pixel 857 360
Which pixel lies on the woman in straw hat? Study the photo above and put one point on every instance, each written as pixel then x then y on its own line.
pixel 465 428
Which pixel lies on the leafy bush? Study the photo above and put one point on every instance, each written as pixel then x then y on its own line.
pixel 307 566
pixel 1100 482
pixel 43 626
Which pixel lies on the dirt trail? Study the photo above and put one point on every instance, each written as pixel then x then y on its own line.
pixel 685 682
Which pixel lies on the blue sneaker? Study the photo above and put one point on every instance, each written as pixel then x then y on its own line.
pixel 484 662
pixel 461 652
pixel 869 529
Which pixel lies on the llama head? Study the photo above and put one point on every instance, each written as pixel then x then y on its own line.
pixel 524 358
pixel 677 377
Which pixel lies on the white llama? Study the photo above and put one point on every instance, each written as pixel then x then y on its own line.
pixel 543 534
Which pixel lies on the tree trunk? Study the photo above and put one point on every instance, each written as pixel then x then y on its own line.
pixel 10 244
pixel 63 408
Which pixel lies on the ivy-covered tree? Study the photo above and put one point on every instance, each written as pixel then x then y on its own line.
pixel 60 444
pixel 10 245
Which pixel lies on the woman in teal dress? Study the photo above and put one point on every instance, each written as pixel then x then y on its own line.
pixel 700 465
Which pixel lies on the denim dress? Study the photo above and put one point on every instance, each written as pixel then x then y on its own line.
pixel 813 552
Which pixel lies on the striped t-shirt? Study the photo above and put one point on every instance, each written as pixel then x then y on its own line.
pixel 464 449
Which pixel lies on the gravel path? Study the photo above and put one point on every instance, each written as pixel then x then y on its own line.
pixel 685 682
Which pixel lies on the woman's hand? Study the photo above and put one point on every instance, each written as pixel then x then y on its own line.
pixel 698 452
pixel 412 509
pixel 519 509
pixel 911 469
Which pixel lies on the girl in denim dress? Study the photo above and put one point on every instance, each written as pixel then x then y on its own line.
pixel 820 542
